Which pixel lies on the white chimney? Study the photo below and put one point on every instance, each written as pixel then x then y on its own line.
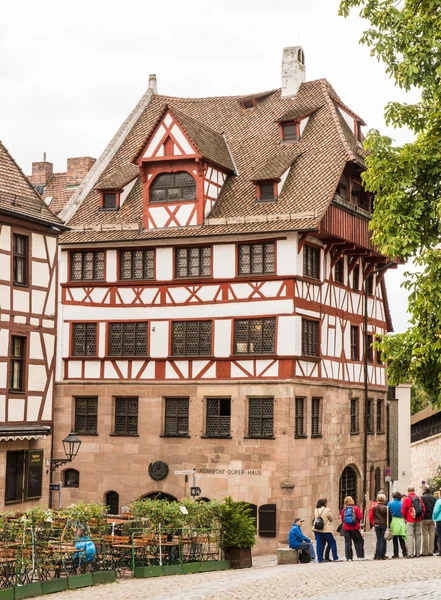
pixel 293 70
pixel 153 84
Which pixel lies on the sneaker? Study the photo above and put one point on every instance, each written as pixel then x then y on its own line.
pixel 395 556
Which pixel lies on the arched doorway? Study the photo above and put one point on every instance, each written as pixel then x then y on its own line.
pixel 111 500
pixel 377 481
pixel 348 485
pixel 159 496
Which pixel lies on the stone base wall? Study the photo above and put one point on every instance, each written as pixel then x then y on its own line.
pixel 425 459
pixel 42 444
pixel 291 473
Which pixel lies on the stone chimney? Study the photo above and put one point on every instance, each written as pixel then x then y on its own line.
pixel 41 172
pixel 77 169
pixel 293 70
pixel 153 84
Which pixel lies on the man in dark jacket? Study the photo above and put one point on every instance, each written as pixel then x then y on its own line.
pixel 413 522
pixel 298 541
pixel 427 524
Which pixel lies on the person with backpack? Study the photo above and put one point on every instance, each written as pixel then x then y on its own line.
pixel 397 525
pixel 322 528
pixel 436 516
pixel 413 510
pixel 351 518
pixel 298 541
pixel 381 520
pixel 427 524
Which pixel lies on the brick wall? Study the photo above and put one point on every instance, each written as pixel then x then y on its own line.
pixel 77 169
pixel 41 172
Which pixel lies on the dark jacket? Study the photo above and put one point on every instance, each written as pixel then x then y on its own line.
pixel 429 502
pixel 381 514
pixel 296 537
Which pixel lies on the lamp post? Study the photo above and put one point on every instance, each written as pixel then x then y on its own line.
pixel 71 445
pixel 366 380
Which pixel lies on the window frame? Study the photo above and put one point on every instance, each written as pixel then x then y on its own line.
pixel 316 417
pixel 355 342
pixel 370 416
pixel 380 416
pixel 311 262
pixel 356 278
pixel 87 431
pixel 22 258
pixel 179 399
pixel 299 417
pixel 369 285
pixel 261 418
pixel 264 255
pixel 125 400
pixel 248 342
pixel 218 433
pixel 315 341
pixel 87 325
pixel 290 140
pixel 83 260
pixel 188 258
pixel 355 416
pixel 124 324
pixel 262 187
pixel 132 251
pixel 110 192
pixel 21 360
pixel 339 271
pixel 369 349
pixel 185 342
pixel 19 478
pixel 65 484
pixel 167 201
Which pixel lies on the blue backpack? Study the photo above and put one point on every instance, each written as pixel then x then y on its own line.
pixel 349 516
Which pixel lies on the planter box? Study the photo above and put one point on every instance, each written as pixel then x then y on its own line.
pixel 153 571
pixel 191 567
pixel 240 557
pixel 172 569
pixel 221 565
pixel 104 577
pixel 7 594
pixel 79 581
pixel 28 591
pixel 54 585
pixel 208 565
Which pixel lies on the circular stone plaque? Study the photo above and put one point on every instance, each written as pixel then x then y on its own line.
pixel 158 470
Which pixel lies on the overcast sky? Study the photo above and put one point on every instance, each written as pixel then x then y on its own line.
pixel 70 72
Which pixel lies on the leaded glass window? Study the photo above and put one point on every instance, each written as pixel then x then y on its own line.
pixel 86 415
pixel 191 338
pixel 87 265
pixel 126 416
pixel 193 262
pixel 84 339
pixel 173 187
pixel 254 336
pixel 310 338
pixel 299 426
pixel 218 416
pixel 256 258
pixel 137 264
pixel 127 339
pixel 261 417
pixel 176 416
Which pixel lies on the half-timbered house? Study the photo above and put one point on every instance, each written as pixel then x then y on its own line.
pixel 28 312
pixel 212 305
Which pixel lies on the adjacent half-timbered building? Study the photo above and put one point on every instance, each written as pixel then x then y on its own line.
pixel 212 305
pixel 28 313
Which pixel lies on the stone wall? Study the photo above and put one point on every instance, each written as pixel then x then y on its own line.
pixel 426 458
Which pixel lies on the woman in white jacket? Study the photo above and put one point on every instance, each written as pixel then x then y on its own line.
pixel 322 529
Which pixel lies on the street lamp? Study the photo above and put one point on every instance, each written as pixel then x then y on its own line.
pixel 71 445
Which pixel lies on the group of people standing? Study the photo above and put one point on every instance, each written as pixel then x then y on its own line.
pixel 409 521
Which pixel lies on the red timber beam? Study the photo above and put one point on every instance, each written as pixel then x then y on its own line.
pixel 335 256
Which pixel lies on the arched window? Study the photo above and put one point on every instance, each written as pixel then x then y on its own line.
pixel 348 485
pixel 377 480
pixel 173 187
pixel 71 478
pixel 112 501
pixel 160 496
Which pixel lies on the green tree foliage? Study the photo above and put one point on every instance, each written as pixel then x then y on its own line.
pixel 419 399
pixel 406 180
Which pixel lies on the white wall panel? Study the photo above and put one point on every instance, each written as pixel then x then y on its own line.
pixel 159 339
pixel 16 408
pixel 5 238
pixel 40 273
pixel 224 261
pixel 222 337
pixel 2 408
pixel 111 274
pixel 5 297
pixel 288 256
pixel 164 264
pixel 34 403
pixel 5 270
pixel 37 378
pixel 35 349
pixel 92 369
pixel 286 334
pixel 20 300
pixel 38 246
pixel 3 375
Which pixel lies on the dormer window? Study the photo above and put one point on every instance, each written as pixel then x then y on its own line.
pixel 110 200
pixel 267 192
pixel 249 104
pixel 173 187
pixel 290 132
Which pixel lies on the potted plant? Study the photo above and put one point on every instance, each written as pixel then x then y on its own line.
pixel 238 532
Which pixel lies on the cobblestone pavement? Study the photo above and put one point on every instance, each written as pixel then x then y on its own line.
pixel 357 580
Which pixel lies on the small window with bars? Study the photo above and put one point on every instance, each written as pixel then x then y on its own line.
pixel 127 339
pixel 261 417
pixel 316 417
pixel 20 251
pixel 17 363
pixel 355 415
pixel 126 416
pixel 254 336
pixel 370 416
pixel 339 271
pixel 356 278
pixel 173 187
pixel 256 258
pixel 110 201
pixel 218 417
pixel 86 415
pixel 193 262
pixel 355 342
pixel 310 338
pixel 299 424
pixel 84 339
pixel 311 262
pixel 191 338
pixel 87 266
pixel 267 192
pixel 369 349
pixel 380 416
pixel 176 416
pixel 137 264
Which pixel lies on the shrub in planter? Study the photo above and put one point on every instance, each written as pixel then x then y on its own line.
pixel 238 532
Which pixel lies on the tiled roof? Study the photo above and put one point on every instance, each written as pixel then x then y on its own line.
pixel 277 165
pixel 253 139
pixel 426 413
pixel 118 179
pixel 17 196
pixel 56 189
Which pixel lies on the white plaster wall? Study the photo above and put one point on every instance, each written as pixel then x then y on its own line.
pixel 20 300
pixel 35 350
pixel 298 336
pixel 62 267
pixel 159 338
pixel 111 274
pixel 38 246
pixel 40 273
pixel 16 408
pixel 5 238
pixel 222 337
pixel 5 270
pixel 224 261
pixel 2 408
pixel 36 378
pixel 164 264
pixel 286 336
pixel 287 255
